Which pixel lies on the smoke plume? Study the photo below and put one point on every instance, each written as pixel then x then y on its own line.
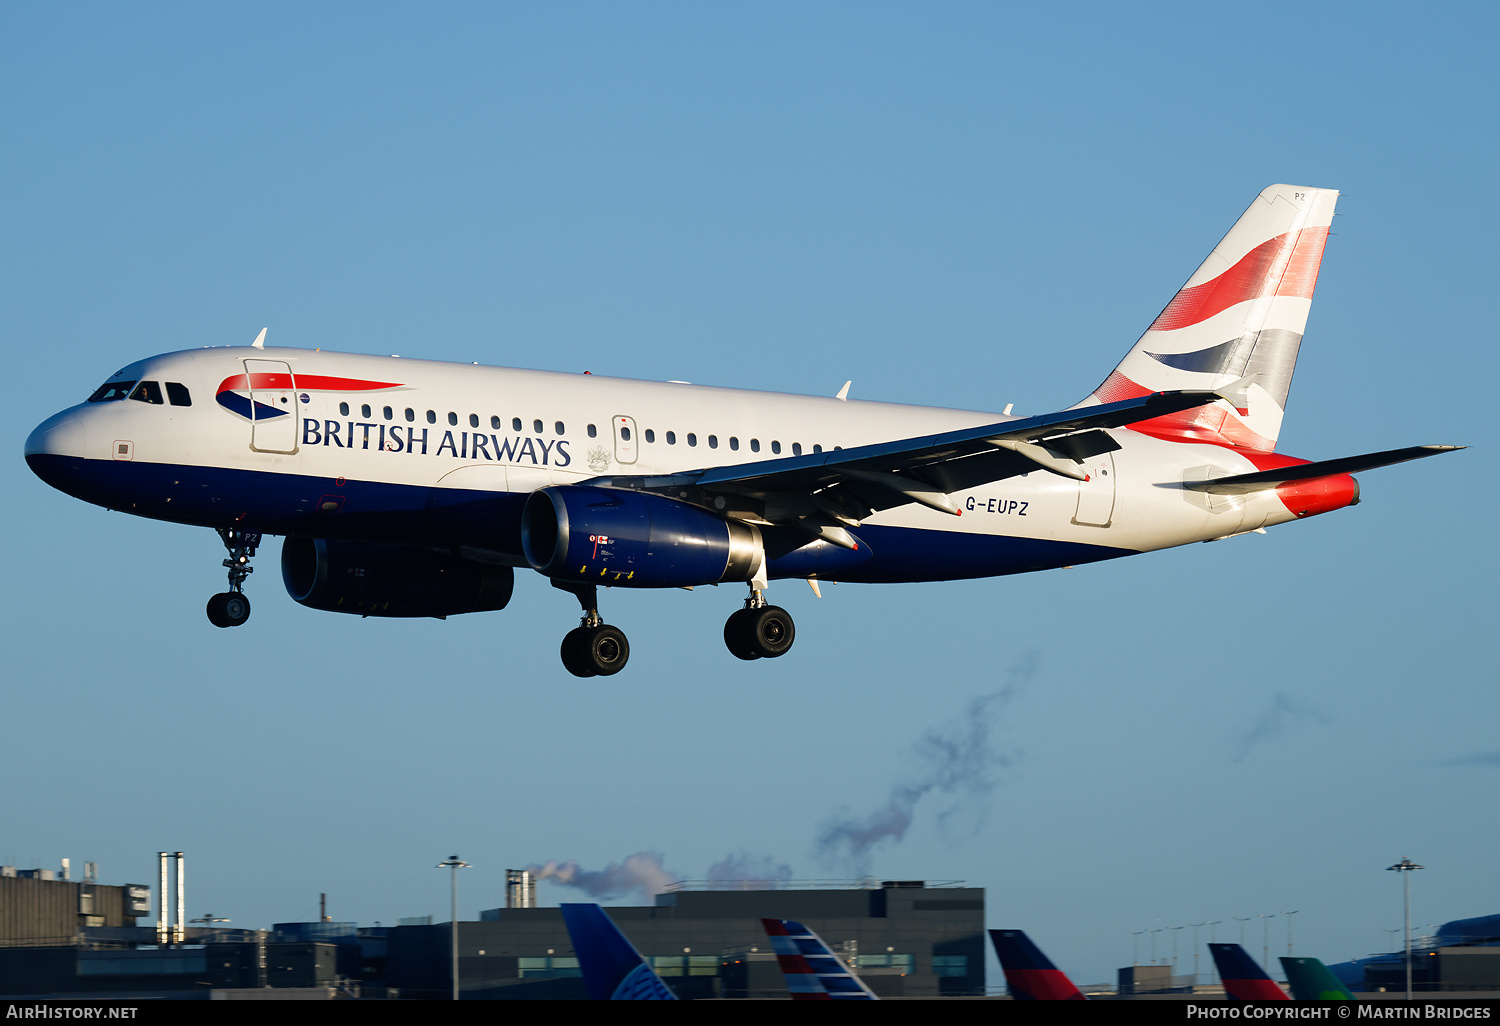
pixel 747 872
pixel 642 872
pixel 958 760
pixel 1274 722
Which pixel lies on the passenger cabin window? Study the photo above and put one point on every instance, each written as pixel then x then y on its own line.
pixel 593 431
pixel 796 448
pixel 364 411
pixel 432 416
pixel 755 445
pixel 473 420
pixel 110 391
pixel 817 448
pixel 177 394
pixel 692 438
pixel 147 392
pixel 671 437
pixel 388 413
pixel 515 423
pixel 343 409
pixel 494 423
pixel 452 419
pixel 624 434
pixel 776 448
pixel 650 435
pixel 411 414
pixel 734 443
pixel 536 427
pixel 713 441
pixel 558 427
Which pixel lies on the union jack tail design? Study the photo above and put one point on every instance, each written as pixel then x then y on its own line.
pixel 812 971
pixel 1243 979
pixel 1029 974
pixel 1241 315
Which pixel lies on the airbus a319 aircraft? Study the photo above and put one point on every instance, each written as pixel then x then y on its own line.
pixel 414 488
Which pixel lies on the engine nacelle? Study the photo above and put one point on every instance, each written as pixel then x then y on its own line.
pixel 634 539
pixel 370 579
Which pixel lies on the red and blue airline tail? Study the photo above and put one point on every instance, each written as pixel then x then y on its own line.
pixel 612 969
pixel 1029 974
pixel 1240 316
pixel 1243 979
pixel 812 971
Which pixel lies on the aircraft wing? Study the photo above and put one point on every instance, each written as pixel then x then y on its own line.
pixel 1242 484
pixel 820 491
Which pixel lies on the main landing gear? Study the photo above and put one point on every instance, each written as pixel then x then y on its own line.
pixel 232 608
pixel 593 648
pixel 759 631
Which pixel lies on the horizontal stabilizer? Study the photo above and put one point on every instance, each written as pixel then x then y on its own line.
pixel 1242 484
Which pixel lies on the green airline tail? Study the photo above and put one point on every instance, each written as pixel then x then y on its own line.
pixel 1311 981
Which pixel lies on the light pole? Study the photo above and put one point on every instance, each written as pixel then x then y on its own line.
pixel 454 863
pixel 1404 867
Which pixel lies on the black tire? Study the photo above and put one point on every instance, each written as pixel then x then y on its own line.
pixel 770 631
pixel 737 636
pixel 228 609
pixel 574 659
pixel 606 650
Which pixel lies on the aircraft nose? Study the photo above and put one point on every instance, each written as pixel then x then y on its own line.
pixel 59 435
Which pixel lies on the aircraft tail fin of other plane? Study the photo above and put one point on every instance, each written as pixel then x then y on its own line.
pixel 1241 315
pixel 1029 974
pixel 813 972
pixel 612 968
pixel 1311 980
pixel 1243 979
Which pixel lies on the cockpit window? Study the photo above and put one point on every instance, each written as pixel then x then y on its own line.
pixel 177 394
pixel 111 390
pixel 148 392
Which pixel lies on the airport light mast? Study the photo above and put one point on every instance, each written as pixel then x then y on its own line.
pixel 1404 867
pixel 454 863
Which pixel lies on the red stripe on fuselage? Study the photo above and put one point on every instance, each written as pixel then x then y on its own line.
pixel 312 382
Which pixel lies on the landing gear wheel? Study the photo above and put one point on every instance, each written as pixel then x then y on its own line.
pixel 737 635
pixel 756 633
pixel 574 657
pixel 605 649
pixel 228 609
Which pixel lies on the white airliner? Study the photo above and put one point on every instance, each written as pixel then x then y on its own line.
pixel 412 488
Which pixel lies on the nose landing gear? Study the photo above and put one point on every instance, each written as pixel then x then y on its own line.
pixel 759 631
pixel 232 608
pixel 593 648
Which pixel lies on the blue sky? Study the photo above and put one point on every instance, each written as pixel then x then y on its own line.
pixel 963 205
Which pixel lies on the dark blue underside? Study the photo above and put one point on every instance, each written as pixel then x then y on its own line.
pixel 320 507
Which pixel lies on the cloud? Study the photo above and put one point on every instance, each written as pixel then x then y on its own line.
pixel 747 871
pixel 959 760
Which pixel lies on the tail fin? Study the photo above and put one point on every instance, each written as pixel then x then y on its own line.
pixel 1030 974
pixel 812 971
pixel 612 968
pixel 1310 980
pixel 1243 979
pixel 1240 315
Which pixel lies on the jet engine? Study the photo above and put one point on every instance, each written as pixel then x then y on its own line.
pixel 634 539
pixel 371 579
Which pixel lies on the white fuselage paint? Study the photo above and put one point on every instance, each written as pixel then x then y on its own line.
pixel 1133 501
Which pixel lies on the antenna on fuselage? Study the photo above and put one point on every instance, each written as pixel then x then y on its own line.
pixel 843 395
pixel 260 340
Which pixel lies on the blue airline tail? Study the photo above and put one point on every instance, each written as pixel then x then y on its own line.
pixel 612 969
pixel 1029 974
pixel 1243 979
pixel 812 971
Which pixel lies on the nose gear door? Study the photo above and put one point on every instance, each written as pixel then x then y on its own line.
pixel 273 406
